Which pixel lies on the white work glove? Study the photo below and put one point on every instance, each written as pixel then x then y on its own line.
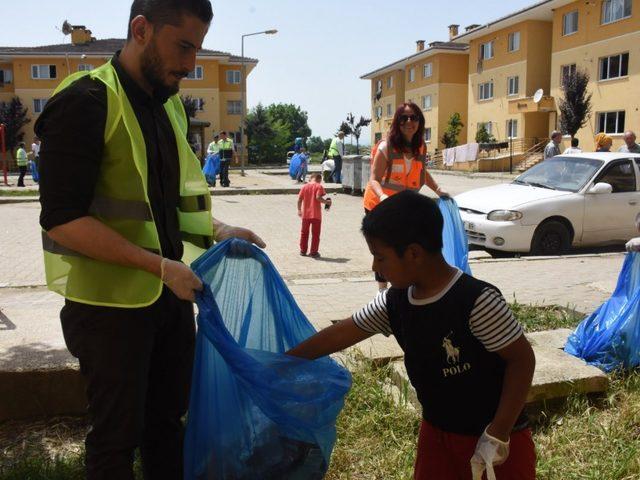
pixel 180 279
pixel 224 231
pixel 633 245
pixel 489 452
pixel 383 197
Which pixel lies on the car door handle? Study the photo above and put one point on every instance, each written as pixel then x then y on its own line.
pixel 633 202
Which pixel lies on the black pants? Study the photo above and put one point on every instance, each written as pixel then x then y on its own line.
pixel 224 172
pixel 23 172
pixel 137 363
pixel 337 171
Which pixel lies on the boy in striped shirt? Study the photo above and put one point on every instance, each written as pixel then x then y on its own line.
pixel 465 353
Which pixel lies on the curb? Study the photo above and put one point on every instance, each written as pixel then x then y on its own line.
pixel 8 200
pixel 493 176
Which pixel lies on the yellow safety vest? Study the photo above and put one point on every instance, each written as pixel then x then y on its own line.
pixel 121 202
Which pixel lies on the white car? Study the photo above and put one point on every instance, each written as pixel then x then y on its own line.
pixel 580 200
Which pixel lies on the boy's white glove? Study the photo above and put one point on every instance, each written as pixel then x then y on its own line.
pixel 490 451
pixel 633 245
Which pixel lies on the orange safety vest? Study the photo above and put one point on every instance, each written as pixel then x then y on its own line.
pixel 397 178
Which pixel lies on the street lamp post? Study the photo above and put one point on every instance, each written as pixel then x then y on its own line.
pixel 243 88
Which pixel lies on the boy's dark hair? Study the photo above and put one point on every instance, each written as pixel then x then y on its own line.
pixel 317 176
pixel 169 12
pixel 405 218
pixel 574 142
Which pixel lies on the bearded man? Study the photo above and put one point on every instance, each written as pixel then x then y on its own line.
pixel 125 208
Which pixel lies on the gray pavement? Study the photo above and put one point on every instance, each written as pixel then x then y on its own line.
pixel 327 289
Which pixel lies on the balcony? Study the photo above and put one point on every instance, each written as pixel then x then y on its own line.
pixel 527 105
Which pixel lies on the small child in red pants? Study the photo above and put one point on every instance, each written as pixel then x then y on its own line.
pixel 310 198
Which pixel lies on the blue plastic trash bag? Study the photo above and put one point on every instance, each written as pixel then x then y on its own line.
pixel 455 244
pixel 211 168
pixel 610 337
pixel 256 413
pixel 294 165
pixel 34 171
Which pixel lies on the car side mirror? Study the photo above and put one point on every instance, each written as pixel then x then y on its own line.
pixel 601 187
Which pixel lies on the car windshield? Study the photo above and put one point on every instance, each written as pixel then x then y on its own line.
pixel 560 173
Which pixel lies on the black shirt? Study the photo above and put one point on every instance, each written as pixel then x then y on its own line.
pixel 72 131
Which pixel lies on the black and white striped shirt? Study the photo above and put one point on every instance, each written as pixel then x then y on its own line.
pixel 491 321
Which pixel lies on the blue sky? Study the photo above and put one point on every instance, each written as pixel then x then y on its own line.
pixel 316 59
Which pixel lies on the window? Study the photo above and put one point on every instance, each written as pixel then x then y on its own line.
pixel 412 74
pixel 235 136
pixel 487 126
pixel 199 104
pixel 38 104
pixel 513 87
pixel 233 77
pixel 614 67
pixel 390 82
pixel 6 77
pixel 43 71
pixel 85 67
pixel 566 71
pixel 379 86
pixel 620 176
pixel 377 137
pixel 197 74
pixel 427 70
pixel 389 110
pixel 427 135
pixel 234 107
pixel 512 128
pixel 378 112
pixel 426 102
pixel 486 50
pixel 570 23
pixel 485 91
pixel 614 10
pixel 611 122
pixel 514 41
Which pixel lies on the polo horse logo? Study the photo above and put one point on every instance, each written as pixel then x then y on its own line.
pixel 453 353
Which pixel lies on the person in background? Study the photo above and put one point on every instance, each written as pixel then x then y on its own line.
pixel 465 353
pixel 310 198
pixel 630 145
pixel 21 161
pixel 336 152
pixel 35 152
pixel 304 166
pixel 213 147
pixel 553 147
pixel 399 163
pixel 573 148
pixel 298 143
pixel 227 152
pixel 328 165
pixel 603 142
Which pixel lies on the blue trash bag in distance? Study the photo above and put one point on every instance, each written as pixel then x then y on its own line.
pixel 211 166
pixel 256 413
pixel 609 338
pixel 455 247
pixel 294 165
pixel 35 175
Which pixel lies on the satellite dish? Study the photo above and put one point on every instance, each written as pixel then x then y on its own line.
pixel 538 95
pixel 66 28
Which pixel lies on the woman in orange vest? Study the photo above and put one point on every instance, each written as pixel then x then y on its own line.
pixel 399 162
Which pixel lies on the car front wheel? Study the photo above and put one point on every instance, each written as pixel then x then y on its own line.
pixel 551 238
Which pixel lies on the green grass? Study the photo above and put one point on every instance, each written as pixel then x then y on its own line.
pixel 19 193
pixel 580 438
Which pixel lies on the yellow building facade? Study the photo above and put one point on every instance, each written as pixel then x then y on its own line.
pixel 33 73
pixel 434 78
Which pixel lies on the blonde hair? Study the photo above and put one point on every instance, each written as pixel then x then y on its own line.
pixel 603 140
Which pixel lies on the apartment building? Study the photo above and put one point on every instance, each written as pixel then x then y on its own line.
pixel 509 60
pixel 33 73
pixel 603 39
pixel 435 78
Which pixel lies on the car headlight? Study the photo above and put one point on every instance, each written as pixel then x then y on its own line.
pixel 504 215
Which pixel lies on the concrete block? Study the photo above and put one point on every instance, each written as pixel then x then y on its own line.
pixel 550 338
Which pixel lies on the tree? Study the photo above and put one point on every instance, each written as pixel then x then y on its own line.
pixel 355 128
pixel 191 105
pixel 483 136
pixel 454 127
pixel 14 116
pixel 315 144
pixel 267 139
pixel 575 107
pixel 291 117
